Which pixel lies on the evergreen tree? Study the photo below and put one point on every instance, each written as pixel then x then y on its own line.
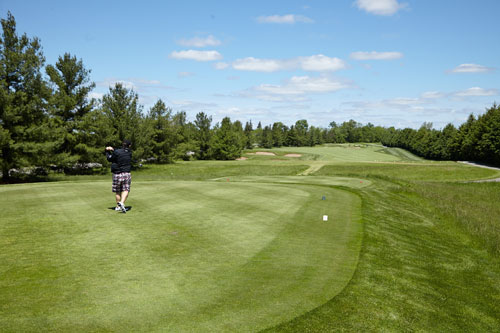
pixel 350 131
pixel 448 135
pixel 466 139
pixel 98 128
pixel 258 134
pixel 25 135
pixel 488 144
pixel 240 135
pixel 334 134
pixel 121 106
pixel 203 135
pixel 267 138
pixel 292 139
pixel 249 140
pixel 224 143
pixel 70 103
pixel 314 136
pixel 301 127
pixel 279 132
pixel 159 121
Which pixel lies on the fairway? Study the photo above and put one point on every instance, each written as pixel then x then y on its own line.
pixel 189 255
pixel 354 153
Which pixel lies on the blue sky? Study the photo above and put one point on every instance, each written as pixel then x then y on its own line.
pixel 389 62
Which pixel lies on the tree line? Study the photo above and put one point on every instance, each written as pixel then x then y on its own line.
pixel 48 120
pixel 478 139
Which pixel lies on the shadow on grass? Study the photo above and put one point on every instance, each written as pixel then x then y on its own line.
pixel 127 208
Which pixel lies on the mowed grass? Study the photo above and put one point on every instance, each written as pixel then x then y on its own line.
pixel 410 245
pixel 352 153
pixel 189 256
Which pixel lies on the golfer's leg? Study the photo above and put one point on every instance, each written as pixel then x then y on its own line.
pixel 124 196
pixel 117 197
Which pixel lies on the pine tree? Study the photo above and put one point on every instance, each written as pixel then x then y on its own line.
pixel 278 130
pixel 267 137
pixel 488 144
pixel 301 127
pixel 24 129
pixel 240 135
pixel 224 143
pixel 203 135
pixel 121 107
pixel 258 134
pixel 70 104
pixel 249 140
pixel 162 134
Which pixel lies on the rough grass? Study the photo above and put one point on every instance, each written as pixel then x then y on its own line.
pixel 438 172
pixel 476 206
pixel 418 271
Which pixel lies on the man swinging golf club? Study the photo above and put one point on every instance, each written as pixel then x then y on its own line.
pixel 121 164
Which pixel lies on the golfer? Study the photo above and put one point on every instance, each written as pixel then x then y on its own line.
pixel 121 163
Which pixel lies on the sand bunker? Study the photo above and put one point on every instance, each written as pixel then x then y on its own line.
pixel 293 155
pixel 242 158
pixel 266 153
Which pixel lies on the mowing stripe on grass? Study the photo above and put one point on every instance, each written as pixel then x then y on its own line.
pixel 189 256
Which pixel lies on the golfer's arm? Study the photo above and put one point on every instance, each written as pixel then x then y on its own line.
pixel 109 155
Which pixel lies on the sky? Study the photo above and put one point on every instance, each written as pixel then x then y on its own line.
pixel 387 62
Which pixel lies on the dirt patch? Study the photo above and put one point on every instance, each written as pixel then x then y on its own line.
pixel 265 153
pixel 293 155
pixel 242 158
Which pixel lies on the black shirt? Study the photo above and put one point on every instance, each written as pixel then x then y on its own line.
pixel 121 160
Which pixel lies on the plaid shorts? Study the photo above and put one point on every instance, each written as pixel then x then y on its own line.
pixel 121 182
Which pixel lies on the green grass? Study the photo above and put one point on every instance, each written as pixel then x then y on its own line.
pixel 241 246
pixel 437 172
pixel 475 206
pixel 352 153
pixel 418 271
pixel 189 256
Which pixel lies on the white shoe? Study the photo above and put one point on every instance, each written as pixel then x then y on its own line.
pixel 117 208
pixel 122 207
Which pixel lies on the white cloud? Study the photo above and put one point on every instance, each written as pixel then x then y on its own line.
pixel 192 105
pixel 477 91
pixel 112 82
pixel 137 84
pixel 149 91
pixel 185 74
pixel 295 89
pixel 402 101
pixel 380 7
pixel 146 82
pixel 95 95
pixel 284 19
pixel 319 63
pixel 373 55
pixel 263 65
pixel 471 68
pixel 196 55
pixel 221 65
pixel 200 42
pixel 315 63
pixel 428 95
